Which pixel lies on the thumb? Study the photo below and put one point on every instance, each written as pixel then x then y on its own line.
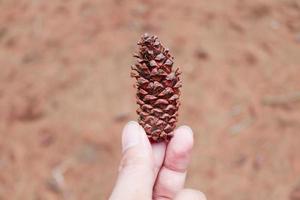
pixel 136 171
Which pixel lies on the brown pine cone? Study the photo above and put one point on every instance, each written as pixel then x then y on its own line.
pixel 157 89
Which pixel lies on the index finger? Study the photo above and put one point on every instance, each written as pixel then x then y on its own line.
pixel 171 177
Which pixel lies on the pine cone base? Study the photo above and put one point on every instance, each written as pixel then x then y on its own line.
pixel 157 85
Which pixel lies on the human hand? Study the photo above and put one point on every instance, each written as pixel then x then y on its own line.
pixel 154 171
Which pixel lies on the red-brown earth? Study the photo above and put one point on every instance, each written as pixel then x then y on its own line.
pixel 66 93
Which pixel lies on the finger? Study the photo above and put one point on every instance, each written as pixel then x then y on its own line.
pixel 171 177
pixel 189 194
pixel 136 171
pixel 159 151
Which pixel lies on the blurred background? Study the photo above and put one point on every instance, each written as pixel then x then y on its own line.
pixel 66 93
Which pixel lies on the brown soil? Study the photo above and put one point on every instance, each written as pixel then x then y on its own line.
pixel 65 93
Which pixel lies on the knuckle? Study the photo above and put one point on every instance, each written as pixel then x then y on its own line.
pixel 133 161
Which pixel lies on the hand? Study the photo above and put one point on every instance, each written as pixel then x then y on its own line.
pixel 154 171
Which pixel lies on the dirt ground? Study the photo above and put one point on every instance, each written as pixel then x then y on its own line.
pixel 66 93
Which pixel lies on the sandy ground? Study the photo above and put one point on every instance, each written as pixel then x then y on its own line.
pixel 65 94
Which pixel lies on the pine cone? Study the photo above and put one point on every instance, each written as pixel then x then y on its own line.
pixel 157 89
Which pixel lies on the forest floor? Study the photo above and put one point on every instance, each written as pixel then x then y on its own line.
pixel 66 93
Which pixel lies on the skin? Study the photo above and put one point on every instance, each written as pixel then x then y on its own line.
pixel 154 171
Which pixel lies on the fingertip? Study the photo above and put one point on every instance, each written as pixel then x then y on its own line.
pixel 136 126
pixel 132 123
pixel 184 129
pixel 144 137
pixel 131 135
pixel 183 138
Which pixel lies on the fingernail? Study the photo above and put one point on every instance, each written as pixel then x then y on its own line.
pixel 131 135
